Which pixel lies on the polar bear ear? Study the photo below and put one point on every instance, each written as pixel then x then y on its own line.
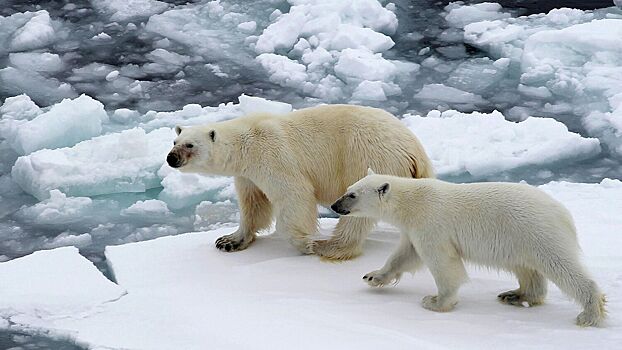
pixel 384 189
pixel 370 172
pixel 178 129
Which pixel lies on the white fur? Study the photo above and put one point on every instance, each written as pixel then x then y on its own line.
pixel 514 227
pixel 285 165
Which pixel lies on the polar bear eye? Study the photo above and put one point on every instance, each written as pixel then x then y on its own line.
pixel 189 145
pixel 352 195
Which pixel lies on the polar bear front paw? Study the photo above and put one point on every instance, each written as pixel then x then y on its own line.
pixel 380 279
pixel 233 242
pixel 433 303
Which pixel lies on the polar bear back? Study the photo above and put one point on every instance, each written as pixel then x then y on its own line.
pixel 494 224
pixel 332 146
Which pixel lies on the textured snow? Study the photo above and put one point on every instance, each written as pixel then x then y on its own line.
pixel 204 293
pixel 483 144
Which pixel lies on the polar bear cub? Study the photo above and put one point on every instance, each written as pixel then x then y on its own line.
pixel 514 227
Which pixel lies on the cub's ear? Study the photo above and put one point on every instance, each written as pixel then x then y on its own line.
pixel 178 130
pixel 370 172
pixel 212 135
pixel 384 189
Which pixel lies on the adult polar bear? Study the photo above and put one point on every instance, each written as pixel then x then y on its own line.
pixel 514 227
pixel 285 165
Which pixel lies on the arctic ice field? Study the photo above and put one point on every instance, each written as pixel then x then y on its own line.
pixel 103 246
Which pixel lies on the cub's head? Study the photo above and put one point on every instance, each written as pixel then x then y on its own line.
pixel 194 149
pixel 366 198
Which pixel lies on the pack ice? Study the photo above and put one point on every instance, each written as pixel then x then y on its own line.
pixel 568 62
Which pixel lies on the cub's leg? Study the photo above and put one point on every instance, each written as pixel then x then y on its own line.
pixel 404 259
pixel 568 274
pixel 347 239
pixel 255 215
pixel 448 271
pixel 532 289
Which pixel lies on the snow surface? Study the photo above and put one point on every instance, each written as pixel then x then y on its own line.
pixel 53 283
pixel 183 293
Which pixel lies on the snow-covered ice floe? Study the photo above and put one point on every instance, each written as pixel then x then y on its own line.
pixel 184 293
pixel 481 144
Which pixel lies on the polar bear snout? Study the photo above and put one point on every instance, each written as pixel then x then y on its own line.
pixel 173 160
pixel 342 206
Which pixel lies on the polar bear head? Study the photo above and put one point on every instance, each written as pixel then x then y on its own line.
pixel 200 149
pixel 365 198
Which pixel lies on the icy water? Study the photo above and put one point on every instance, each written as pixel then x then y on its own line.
pixel 195 80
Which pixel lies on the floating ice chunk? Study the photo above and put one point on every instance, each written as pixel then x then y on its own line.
pixel 354 37
pixel 369 91
pixel 330 35
pixel 282 70
pixel 123 10
pixel 123 162
pixel 209 216
pixel 448 94
pixel 57 209
pixel 67 239
pixel 147 208
pixel 124 115
pixel 101 37
pixel 484 144
pixel 36 33
pixel 112 75
pixel 478 75
pixel 253 104
pixel 167 57
pixel 45 91
pixel 183 190
pixel 65 283
pixel 248 27
pixel 39 62
pixel 460 15
pixel 364 65
pixel 19 107
pixel 65 124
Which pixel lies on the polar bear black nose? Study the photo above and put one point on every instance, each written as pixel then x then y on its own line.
pixel 336 207
pixel 173 160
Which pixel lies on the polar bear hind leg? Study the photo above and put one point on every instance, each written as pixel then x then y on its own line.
pixel 568 274
pixel 532 290
pixel 347 239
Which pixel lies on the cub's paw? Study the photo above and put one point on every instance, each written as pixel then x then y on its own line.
pixel 433 303
pixel 233 242
pixel 379 279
